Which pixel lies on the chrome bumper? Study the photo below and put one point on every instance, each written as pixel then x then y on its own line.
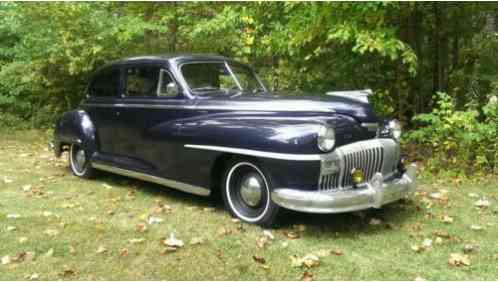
pixel 374 194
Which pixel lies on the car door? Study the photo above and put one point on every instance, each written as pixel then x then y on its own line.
pixel 102 93
pixel 151 102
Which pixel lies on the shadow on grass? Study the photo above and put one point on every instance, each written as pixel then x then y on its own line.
pixel 392 215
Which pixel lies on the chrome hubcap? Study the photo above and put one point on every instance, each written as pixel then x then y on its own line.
pixel 251 190
pixel 80 159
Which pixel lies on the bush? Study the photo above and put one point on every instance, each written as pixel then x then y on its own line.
pixel 462 140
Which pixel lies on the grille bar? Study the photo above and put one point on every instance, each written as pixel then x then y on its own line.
pixel 368 156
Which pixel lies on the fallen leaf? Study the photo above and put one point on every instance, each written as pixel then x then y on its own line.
pixel 72 250
pixel 173 242
pixel 308 261
pixel 259 259
pixel 268 234
pixel 51 232
pixel 23 240
pixel 459 260
pixel 323 253
pixel 375 221
pixel 6 259
pixel 427 243
pixel 7 180
pixel 33 276
pixel 49 253
pixel 168 250
pixel 23 256
pixel 68 272
pixel 418 278
pixel 101 250
pixel 224 231
pixel 154 220
pixel 291 235
pixel 208 209
pixel 482 203
pixel 196 241
pixel 337 252
pixel 435 195
pixel 141 227
pixel 476 227
pixel 123 252
pixel 470 248
pixel 47 214
pixel 107 186
pixel 307 276
pixel 473 195
pixel 11 228
pixel 26 188
pixel 439 240
pixel 136 240
pixel 447 219
pixel 13 215
pixel 235 220
pixel 285 244
pixel 261 242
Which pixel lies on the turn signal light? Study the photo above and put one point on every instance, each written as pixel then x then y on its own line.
pixel 357 176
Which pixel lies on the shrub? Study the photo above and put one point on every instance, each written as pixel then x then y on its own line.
pixel 462 140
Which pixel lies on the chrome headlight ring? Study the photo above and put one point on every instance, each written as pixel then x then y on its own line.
pixel 326 138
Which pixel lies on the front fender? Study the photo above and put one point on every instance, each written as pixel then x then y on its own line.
pixel 75 127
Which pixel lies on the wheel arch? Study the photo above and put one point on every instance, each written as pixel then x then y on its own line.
pixel 75 127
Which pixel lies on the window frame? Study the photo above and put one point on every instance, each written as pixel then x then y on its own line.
pixel 161 68
pixel 99 74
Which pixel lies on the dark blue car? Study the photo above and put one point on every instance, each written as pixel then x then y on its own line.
pixel 205 124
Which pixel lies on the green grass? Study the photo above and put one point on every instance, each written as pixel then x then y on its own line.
pixel 88 214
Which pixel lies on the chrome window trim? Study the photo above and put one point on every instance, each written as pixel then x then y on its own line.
pixel 195 107
pixel 256 153
pixel 197 190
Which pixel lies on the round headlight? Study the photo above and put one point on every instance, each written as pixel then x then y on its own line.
pixel 326 138
pixel 395 129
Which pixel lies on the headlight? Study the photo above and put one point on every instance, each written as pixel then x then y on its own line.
pixel 326 138
pixel 395 129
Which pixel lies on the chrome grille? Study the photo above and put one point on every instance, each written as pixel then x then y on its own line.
pixel 371 156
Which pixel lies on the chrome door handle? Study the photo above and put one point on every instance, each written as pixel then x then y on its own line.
pixel 118 113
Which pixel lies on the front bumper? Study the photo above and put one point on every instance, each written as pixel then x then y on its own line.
pixel 374 194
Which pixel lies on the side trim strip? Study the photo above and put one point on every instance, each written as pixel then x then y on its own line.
pixel 370 126
pixel 255 153
pixel 158 180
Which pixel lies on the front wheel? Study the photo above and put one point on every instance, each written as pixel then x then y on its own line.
pixel 246 193
pixel 79 163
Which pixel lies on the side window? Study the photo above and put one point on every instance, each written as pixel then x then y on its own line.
pixel 142 81
pixel 105 84
pixel 167 85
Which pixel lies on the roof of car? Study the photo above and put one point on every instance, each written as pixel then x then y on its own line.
pixel 170 57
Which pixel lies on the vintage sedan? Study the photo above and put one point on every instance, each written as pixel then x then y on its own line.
pixel 207 125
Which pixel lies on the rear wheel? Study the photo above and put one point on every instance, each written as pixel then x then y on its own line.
pixel 246 193
pixel 79 163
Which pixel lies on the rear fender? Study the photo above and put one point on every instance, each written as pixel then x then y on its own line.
pixel 75 127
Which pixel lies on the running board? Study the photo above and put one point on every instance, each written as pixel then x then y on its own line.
pixel 201 191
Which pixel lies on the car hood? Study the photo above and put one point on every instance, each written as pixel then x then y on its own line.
pixel 288 102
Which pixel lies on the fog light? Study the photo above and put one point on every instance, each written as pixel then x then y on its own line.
pixel 357 176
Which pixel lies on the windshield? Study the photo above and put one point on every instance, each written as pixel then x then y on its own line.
pixel 206 78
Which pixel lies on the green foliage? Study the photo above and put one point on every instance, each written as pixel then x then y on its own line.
pixel 461 140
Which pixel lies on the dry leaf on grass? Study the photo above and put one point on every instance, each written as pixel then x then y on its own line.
pixel 307 276
pixel 123 252
pixel 6 259
pixel 23 240
pixel 136 240
pixel 476 227
pixel 11 228
pixel 49 253
pixel 290 234
pixel 259 259
pixel 101 250
pixel 261 242
pixel 447 219
pixel 33 276
pixel 51 232
pixel 470 248
pixel 267 233
pixel 482 203
pixel 172 242
pixel 197 241
pixel 154 220
pixel 307 261
pixel 141 227
pixel 13 215
pixel 459 260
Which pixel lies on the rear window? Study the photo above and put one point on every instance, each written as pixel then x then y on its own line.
pixel 105 84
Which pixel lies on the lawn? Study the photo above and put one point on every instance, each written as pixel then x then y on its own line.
pixel 54 225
